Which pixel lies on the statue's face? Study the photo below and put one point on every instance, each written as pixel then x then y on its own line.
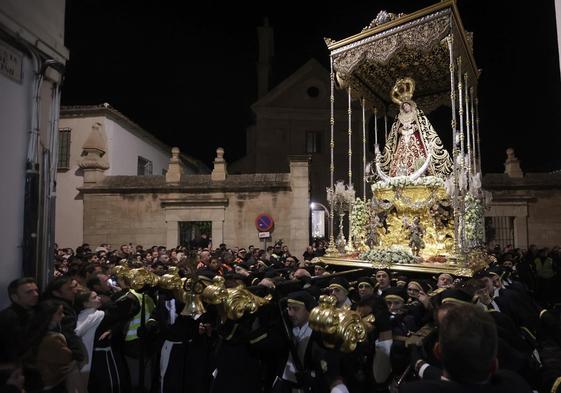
pixel 406 107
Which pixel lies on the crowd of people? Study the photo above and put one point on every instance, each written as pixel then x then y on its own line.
pixel 93 330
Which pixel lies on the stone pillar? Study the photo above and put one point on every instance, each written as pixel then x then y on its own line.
pixel 300 204
pixel 512 164
pixel 175 169
pixel 521 232
pixel 219 172
pixel 93 150
pixel 217 232
pixel 172 233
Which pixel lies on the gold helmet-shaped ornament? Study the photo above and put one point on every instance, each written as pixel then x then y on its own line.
pixel 186 289
pixel 236 302
pixel 339 326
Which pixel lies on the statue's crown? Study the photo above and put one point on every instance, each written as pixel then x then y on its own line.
pixel 403 90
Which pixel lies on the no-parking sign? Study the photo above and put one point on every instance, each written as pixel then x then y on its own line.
pixel 264 222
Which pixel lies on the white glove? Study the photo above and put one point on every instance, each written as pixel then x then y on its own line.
pixel 340 388
pixel 382 366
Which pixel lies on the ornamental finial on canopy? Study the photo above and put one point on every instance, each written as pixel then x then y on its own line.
pixel 383 17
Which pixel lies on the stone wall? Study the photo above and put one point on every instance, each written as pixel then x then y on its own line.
pixel 534 201
pixel 544 219
pixel 122 218
pixel 147 211
pixel 243 209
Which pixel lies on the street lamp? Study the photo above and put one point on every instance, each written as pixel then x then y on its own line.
pixel 314 205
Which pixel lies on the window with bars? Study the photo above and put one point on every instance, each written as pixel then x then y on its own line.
pixel 191 231
pixel 313 142
pixel 144 167
pixel 500 230
pixel 64 148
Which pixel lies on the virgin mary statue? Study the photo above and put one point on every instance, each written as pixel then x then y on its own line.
pixel 413 148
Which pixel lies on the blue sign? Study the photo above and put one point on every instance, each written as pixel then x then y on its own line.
pixel 264 222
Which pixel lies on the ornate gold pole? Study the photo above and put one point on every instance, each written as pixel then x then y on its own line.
pixel 462 154
pixel 477 135
pixel 472 113
pixel 468 127
pixel 331 249
pixel 386 125
pixel 363 149
pixel 461 113
pixel 350 247
pixel 450 41
pixel 350 152
pixel 375 127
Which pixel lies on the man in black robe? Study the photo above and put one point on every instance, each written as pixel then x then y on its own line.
pixel 467 347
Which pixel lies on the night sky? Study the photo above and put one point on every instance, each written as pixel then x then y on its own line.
pixel 188 75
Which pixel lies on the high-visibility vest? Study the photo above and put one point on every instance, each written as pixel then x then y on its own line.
pixel 134 324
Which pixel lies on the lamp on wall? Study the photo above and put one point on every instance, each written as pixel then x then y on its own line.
pixel 314 207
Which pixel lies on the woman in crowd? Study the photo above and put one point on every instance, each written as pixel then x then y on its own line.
pixel 104 370
pixel 49 351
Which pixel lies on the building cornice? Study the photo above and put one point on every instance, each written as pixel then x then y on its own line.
pixel 190 184
pixel 530 181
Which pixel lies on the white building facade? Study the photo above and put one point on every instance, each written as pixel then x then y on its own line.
pixel 129 151
pixel 32 61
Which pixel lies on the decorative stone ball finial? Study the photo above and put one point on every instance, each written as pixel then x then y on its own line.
pixel 510 154
pixel 175 170
pixel 219 155
pixel 512 164
pixel 219 172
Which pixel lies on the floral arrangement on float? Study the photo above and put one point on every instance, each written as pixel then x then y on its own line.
pixel 406 181
pixel 360 223
pixel 474 226
pixel 437 259
pixel 390 256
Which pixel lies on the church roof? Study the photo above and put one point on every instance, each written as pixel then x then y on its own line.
pixel 311 67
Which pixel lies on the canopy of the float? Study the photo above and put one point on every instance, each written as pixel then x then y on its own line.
pixel 422 45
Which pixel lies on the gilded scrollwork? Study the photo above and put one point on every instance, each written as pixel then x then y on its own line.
pixel 409 202
pixel 422 37
pixel 339 327
pixel 373 64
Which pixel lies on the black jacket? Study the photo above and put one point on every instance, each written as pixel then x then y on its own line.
pixel 13 324
pixel 501 382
